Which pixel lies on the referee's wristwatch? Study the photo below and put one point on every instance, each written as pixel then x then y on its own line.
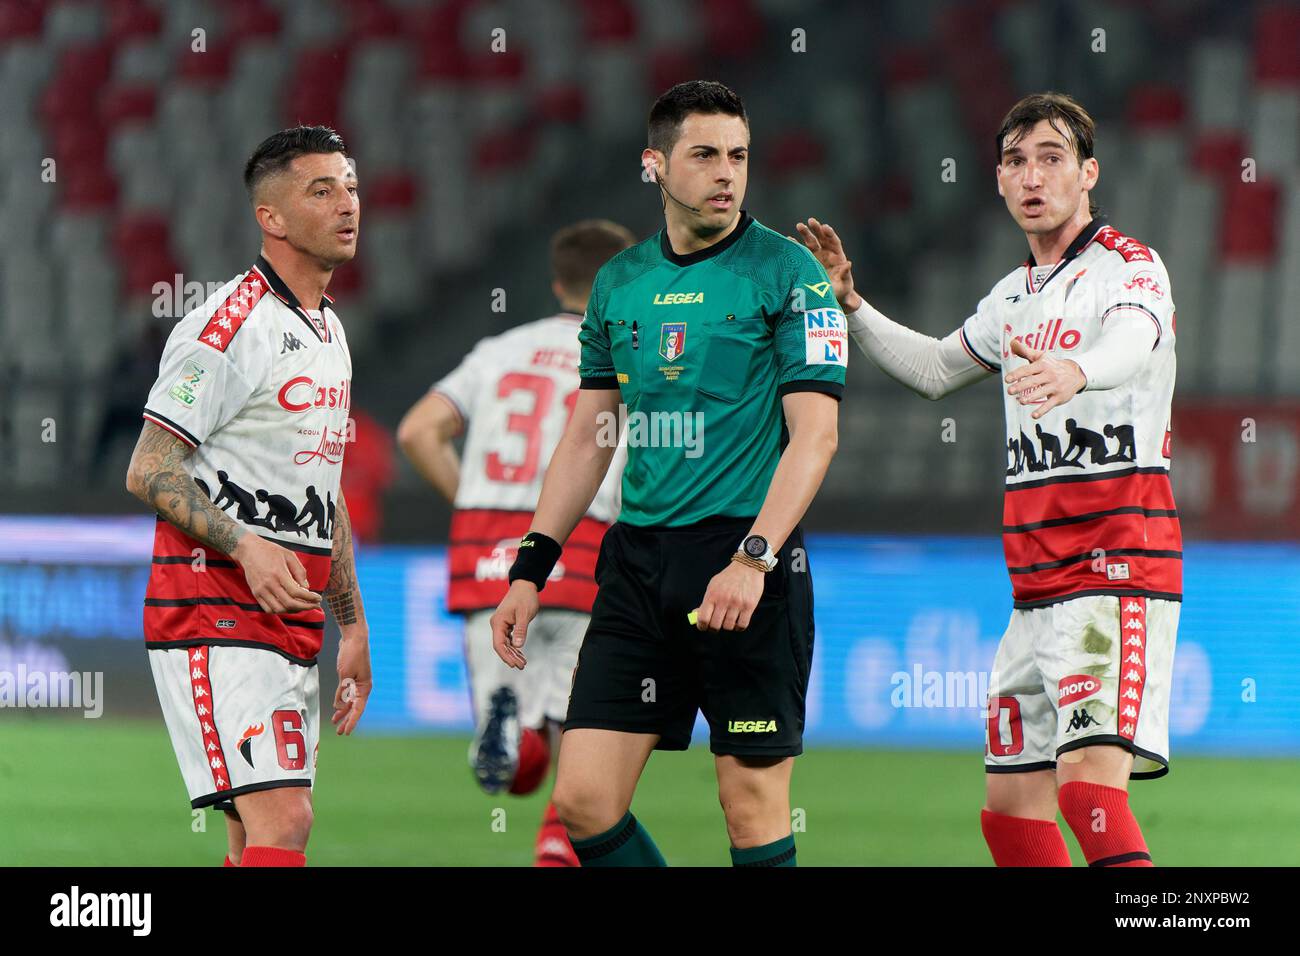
pixel 756 553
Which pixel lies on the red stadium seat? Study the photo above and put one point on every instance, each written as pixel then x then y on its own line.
pixel 251 19
pixel 147 267
pixel 733 28
pixel 1156 107
pixel 130 19
pixel 795 151
pixel 87 189
pixel 1250 222
pixel 396 191
pixel 314 90
pixel 561 104
pixel 1220 155
pixel 608 21
pixel 210 67
pixel 128 104
pixel 371 20
pixel 1277 45
pixel 19 19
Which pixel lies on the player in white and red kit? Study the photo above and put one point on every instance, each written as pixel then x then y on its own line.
pixel 241 455
pixel 511 397
pixel 1083 334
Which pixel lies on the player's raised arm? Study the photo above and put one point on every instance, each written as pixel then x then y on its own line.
pixel 928 366
pixel 572 479
pixel 344 596
pixel 157 476
pixel 425 435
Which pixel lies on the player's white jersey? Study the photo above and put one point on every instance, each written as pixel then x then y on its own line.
pixel 261 388
pixel 515 392
pixel 1088 507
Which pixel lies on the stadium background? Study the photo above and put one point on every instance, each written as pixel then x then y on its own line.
pixel 125 128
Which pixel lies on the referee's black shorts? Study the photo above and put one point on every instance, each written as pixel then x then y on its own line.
pixel 644 669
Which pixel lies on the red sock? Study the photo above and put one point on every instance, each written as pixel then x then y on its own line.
pixel 1103 824
pixel 553 846
pixel 271 856
pixel 534 760
pixel 1021 841
pixel 227 863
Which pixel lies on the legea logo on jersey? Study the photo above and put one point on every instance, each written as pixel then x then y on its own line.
pixel 1048 337
pixel 678 298
pixel 302 393
pixel 825 337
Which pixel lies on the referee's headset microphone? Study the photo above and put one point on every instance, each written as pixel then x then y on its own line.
pixel 657 179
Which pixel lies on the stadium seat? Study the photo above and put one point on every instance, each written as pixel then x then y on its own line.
pixel 1236 328
pixel 1189 258
pixel 72 23
pixel 1220 76
pixel 1275 130
pixel 1286 350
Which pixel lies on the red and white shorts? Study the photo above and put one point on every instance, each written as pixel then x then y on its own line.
pixel 1090 670
pixel 542 688
pixel 241 719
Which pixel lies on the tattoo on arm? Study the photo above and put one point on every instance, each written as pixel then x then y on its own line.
pixel 159 462
pixel 341 589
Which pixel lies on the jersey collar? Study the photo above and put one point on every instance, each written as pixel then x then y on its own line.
pixel 282 292
pixel 708 252
pixel 1080 243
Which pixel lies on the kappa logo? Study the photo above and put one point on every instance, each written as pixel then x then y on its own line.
pixel 1080 720
pixel 291 343
pixel 751 727
pixel 818 288
pixel 245 745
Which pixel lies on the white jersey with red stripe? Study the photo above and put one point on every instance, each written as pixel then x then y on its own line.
pixel 514 393
pixel 261 389
pixel 1088 507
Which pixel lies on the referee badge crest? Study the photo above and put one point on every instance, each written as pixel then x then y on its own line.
pixel 672 340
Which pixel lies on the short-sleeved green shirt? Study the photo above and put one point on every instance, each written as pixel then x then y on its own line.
pixel 702 347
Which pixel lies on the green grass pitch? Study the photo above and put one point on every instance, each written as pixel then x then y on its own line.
pixel 77 792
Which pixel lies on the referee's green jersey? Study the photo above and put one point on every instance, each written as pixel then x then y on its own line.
pixel 702 347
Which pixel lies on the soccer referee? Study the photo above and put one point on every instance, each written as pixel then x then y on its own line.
pixel 725 337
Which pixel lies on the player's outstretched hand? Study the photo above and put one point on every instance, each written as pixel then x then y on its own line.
pixel 826 246
pixel 275 576
pixel 355 683
pixel 730 599
pixel 1046 381
pixel 511 620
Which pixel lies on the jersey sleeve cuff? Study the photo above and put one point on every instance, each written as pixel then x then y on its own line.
pixel 834 389
pixel 165 423
pixel 599 381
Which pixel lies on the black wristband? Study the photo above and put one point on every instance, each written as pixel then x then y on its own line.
pixel 536 559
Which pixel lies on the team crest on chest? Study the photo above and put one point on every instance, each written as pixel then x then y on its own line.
pixel 672 340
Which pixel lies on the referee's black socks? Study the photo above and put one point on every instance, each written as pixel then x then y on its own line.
pixel 780 853
pixel 626 843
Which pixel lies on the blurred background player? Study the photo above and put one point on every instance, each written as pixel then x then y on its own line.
pixel 1079 693
pixel 253 392
pixel 511 398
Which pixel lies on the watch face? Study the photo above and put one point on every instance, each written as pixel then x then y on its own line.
pixel 755 546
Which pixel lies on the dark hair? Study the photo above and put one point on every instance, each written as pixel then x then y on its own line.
pixel 276 152
pixel 1060 110
pixel 578 251
pixel 693 96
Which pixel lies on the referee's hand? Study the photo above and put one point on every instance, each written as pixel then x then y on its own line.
pixel 732 595
pixel 511 620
